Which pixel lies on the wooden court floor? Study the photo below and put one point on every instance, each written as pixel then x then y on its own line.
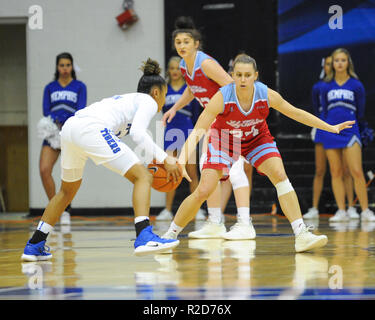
pixel 93 259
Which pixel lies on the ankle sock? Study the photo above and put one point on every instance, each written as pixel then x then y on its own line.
pixel 41 232
pixel 175 228
pixel 243 215
pixel 297 226
pixel 141 223
pixel 214 215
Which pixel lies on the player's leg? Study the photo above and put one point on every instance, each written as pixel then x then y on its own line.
pixel 320 171
pixel 249 173
pixel 215 214
pixel 335 166
pixel 47 160
pixel 353 157
pixel 190 206
pixel 35 247
pixel 226 192
pixel 166 213
pixel 214 226
pixel 243 229
pixel 273 168
pixel 72 165
pixel 349 189
pixel 192 171
pixel 128 165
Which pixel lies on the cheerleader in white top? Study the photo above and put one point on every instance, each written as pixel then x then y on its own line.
pixel 95 132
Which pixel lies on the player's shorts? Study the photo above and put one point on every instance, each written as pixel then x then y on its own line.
pixel 260 151
pixel 317 135
pixel 85 137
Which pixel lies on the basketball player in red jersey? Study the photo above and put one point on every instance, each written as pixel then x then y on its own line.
pixel 204 76
pixel 239 110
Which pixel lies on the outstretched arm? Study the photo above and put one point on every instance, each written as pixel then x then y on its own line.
pixel 277 102
pixel 207 117
pixel 186 97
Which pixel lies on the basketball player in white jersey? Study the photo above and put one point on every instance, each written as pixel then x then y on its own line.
pixel 94 133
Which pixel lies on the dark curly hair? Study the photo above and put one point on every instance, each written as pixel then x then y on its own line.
pixel 151 76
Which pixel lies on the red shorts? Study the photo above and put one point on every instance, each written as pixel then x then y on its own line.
pixel 259 151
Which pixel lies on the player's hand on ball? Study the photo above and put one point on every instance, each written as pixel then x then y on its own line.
pixel 173 169
pixel 343 125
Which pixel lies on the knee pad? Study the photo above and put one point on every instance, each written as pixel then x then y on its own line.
pixel 283 187
pixel 237 175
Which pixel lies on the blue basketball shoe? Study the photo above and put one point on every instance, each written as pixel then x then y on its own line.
pixel 148 242
pixel 36 252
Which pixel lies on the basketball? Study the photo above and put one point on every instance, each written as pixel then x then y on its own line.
pixel 160 182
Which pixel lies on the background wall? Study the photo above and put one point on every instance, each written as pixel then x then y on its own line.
pixel 13 97
pixel 107 59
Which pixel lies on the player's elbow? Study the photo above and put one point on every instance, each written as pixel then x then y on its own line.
pixel 137 136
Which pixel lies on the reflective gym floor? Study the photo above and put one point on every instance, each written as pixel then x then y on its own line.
pixel 93 259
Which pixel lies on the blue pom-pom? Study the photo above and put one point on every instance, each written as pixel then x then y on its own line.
pixel 367 134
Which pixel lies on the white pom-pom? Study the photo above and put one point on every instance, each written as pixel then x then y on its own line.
pixel 48 130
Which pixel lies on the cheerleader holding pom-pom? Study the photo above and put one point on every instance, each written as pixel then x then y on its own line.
pixel 62 98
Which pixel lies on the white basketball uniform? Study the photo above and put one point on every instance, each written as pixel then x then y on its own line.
pixel 95 131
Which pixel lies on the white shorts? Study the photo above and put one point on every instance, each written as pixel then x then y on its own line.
pixel 85 137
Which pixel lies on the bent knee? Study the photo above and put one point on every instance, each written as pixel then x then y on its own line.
pixel 139 173
pixel 145 176
pixel 202 192
pixel 279 176
pixel 283 187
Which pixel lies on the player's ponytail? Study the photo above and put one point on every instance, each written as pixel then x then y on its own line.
pixel 186 25
pixel 151 77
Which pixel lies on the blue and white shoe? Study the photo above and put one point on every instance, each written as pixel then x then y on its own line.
pixel 36 252
pixel 148 242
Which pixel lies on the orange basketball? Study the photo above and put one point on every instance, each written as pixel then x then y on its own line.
pixel 160 182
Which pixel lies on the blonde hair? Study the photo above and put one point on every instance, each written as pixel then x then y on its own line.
pixel 173 58
pixel 331 74
pixel 244 58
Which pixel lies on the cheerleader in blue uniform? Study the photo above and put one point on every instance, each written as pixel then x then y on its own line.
pixel 320 154
pixel 62 98
pixel 177 131
pixel 343 99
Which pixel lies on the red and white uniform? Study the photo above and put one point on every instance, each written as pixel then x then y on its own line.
pixel 236 132
pixel 202 87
